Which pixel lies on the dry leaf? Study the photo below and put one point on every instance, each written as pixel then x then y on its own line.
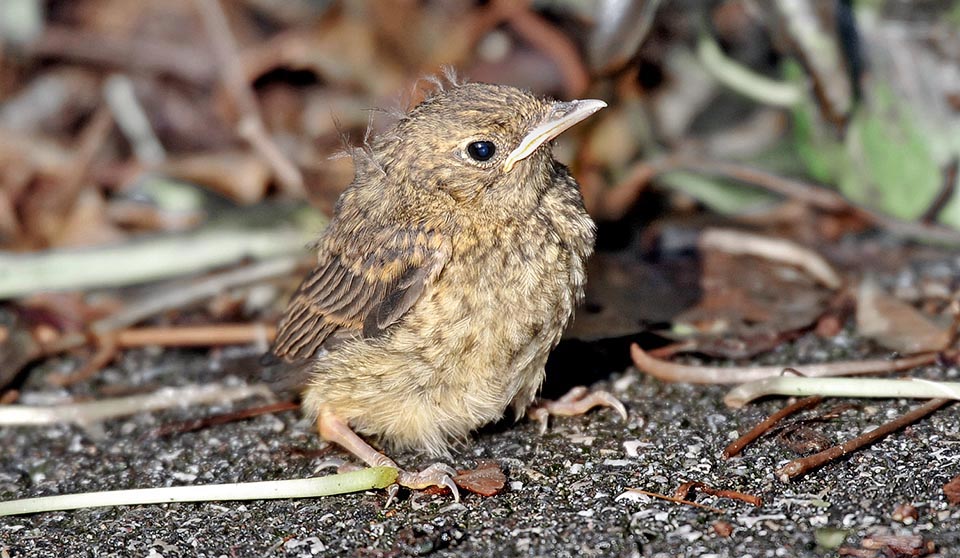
pixel 895 324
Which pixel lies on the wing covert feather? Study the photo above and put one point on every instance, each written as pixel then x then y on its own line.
pixel 359 288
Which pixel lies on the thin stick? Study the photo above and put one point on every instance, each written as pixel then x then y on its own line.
pixel 553 43
pixel 225 418
pixel 132 119
pixel 94 411
pixel 355 481
pixel 686 487
pixel 804 465
pixel 674 500
pixel 768 423
pixel 774 249
pixel 139 54
pixel 106 351
pixel 110 343
pixel 803 191
pixel 672 372
pixel 947 190
pixel 841 387
pixel 250 127
pixel 183 295
pixel 811 194
pixel 195 336
pixel 154 302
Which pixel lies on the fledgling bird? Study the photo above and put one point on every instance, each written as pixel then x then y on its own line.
pixel 449 271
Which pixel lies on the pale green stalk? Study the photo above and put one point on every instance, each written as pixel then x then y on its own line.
pixel 355 481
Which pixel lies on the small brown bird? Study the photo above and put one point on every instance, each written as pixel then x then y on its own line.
pixel 448 273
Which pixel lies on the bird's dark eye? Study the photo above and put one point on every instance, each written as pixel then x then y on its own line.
pixel 481 150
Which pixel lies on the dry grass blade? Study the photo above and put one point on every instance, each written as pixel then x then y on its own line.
pixel 673 372
pixel 95 411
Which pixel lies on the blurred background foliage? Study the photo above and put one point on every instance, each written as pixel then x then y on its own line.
pixel 120 120
pixel 863 97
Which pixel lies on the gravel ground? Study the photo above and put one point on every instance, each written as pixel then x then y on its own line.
pixel 566 492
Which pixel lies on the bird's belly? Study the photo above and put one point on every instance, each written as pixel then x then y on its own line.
pixel 490 343
pixel 469 349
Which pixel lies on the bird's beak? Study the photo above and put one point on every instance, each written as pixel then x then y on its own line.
pixel 561 116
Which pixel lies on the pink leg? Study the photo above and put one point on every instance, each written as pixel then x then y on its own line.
pixel 332 428
pixel 577 401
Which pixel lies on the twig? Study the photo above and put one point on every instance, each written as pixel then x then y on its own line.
pixel 615 202
pixel 686 487
pixel 95 411
pixel 195 336
pixel 151 304
pixel 811 194
pixel 92 138
pixel 671 499
pixel 225 418
pixel 109 343
pixel 106 351
pixel 355 481
pixel 737 446
pixel 132 119
pixel 946 193
pixel 804 465
pixel 672 372
pixel 907 229
pixel 800 190
pixel 250 126
pixel 841 387
pixel 180 296
pixel 774 249
pixel 556 45
pixel 140 54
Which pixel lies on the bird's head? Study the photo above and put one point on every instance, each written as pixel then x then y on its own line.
pixel 476 141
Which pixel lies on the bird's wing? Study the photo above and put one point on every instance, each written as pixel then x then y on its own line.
pixel 361 286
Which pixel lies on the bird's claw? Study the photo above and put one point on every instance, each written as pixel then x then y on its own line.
pixel 577 401
pixel 391 494
pixel 437 474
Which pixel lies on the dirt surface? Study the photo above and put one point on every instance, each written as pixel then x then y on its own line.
pixel 566 492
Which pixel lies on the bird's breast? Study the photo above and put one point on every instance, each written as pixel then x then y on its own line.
pixel 497 309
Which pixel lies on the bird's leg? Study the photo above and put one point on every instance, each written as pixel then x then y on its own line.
pixel 333 429
pixel 577 401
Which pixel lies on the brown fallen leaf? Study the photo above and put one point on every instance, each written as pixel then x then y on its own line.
pixel 895 324
pixel 722 528
pixel 803 440
pixel 238 175
pixel 749 305
pixel 952 490
pixel 487 479
pixel 898 545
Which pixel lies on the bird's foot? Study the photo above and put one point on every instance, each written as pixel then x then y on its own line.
pixel 577 401
pixel 438 474
pixel 334 429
